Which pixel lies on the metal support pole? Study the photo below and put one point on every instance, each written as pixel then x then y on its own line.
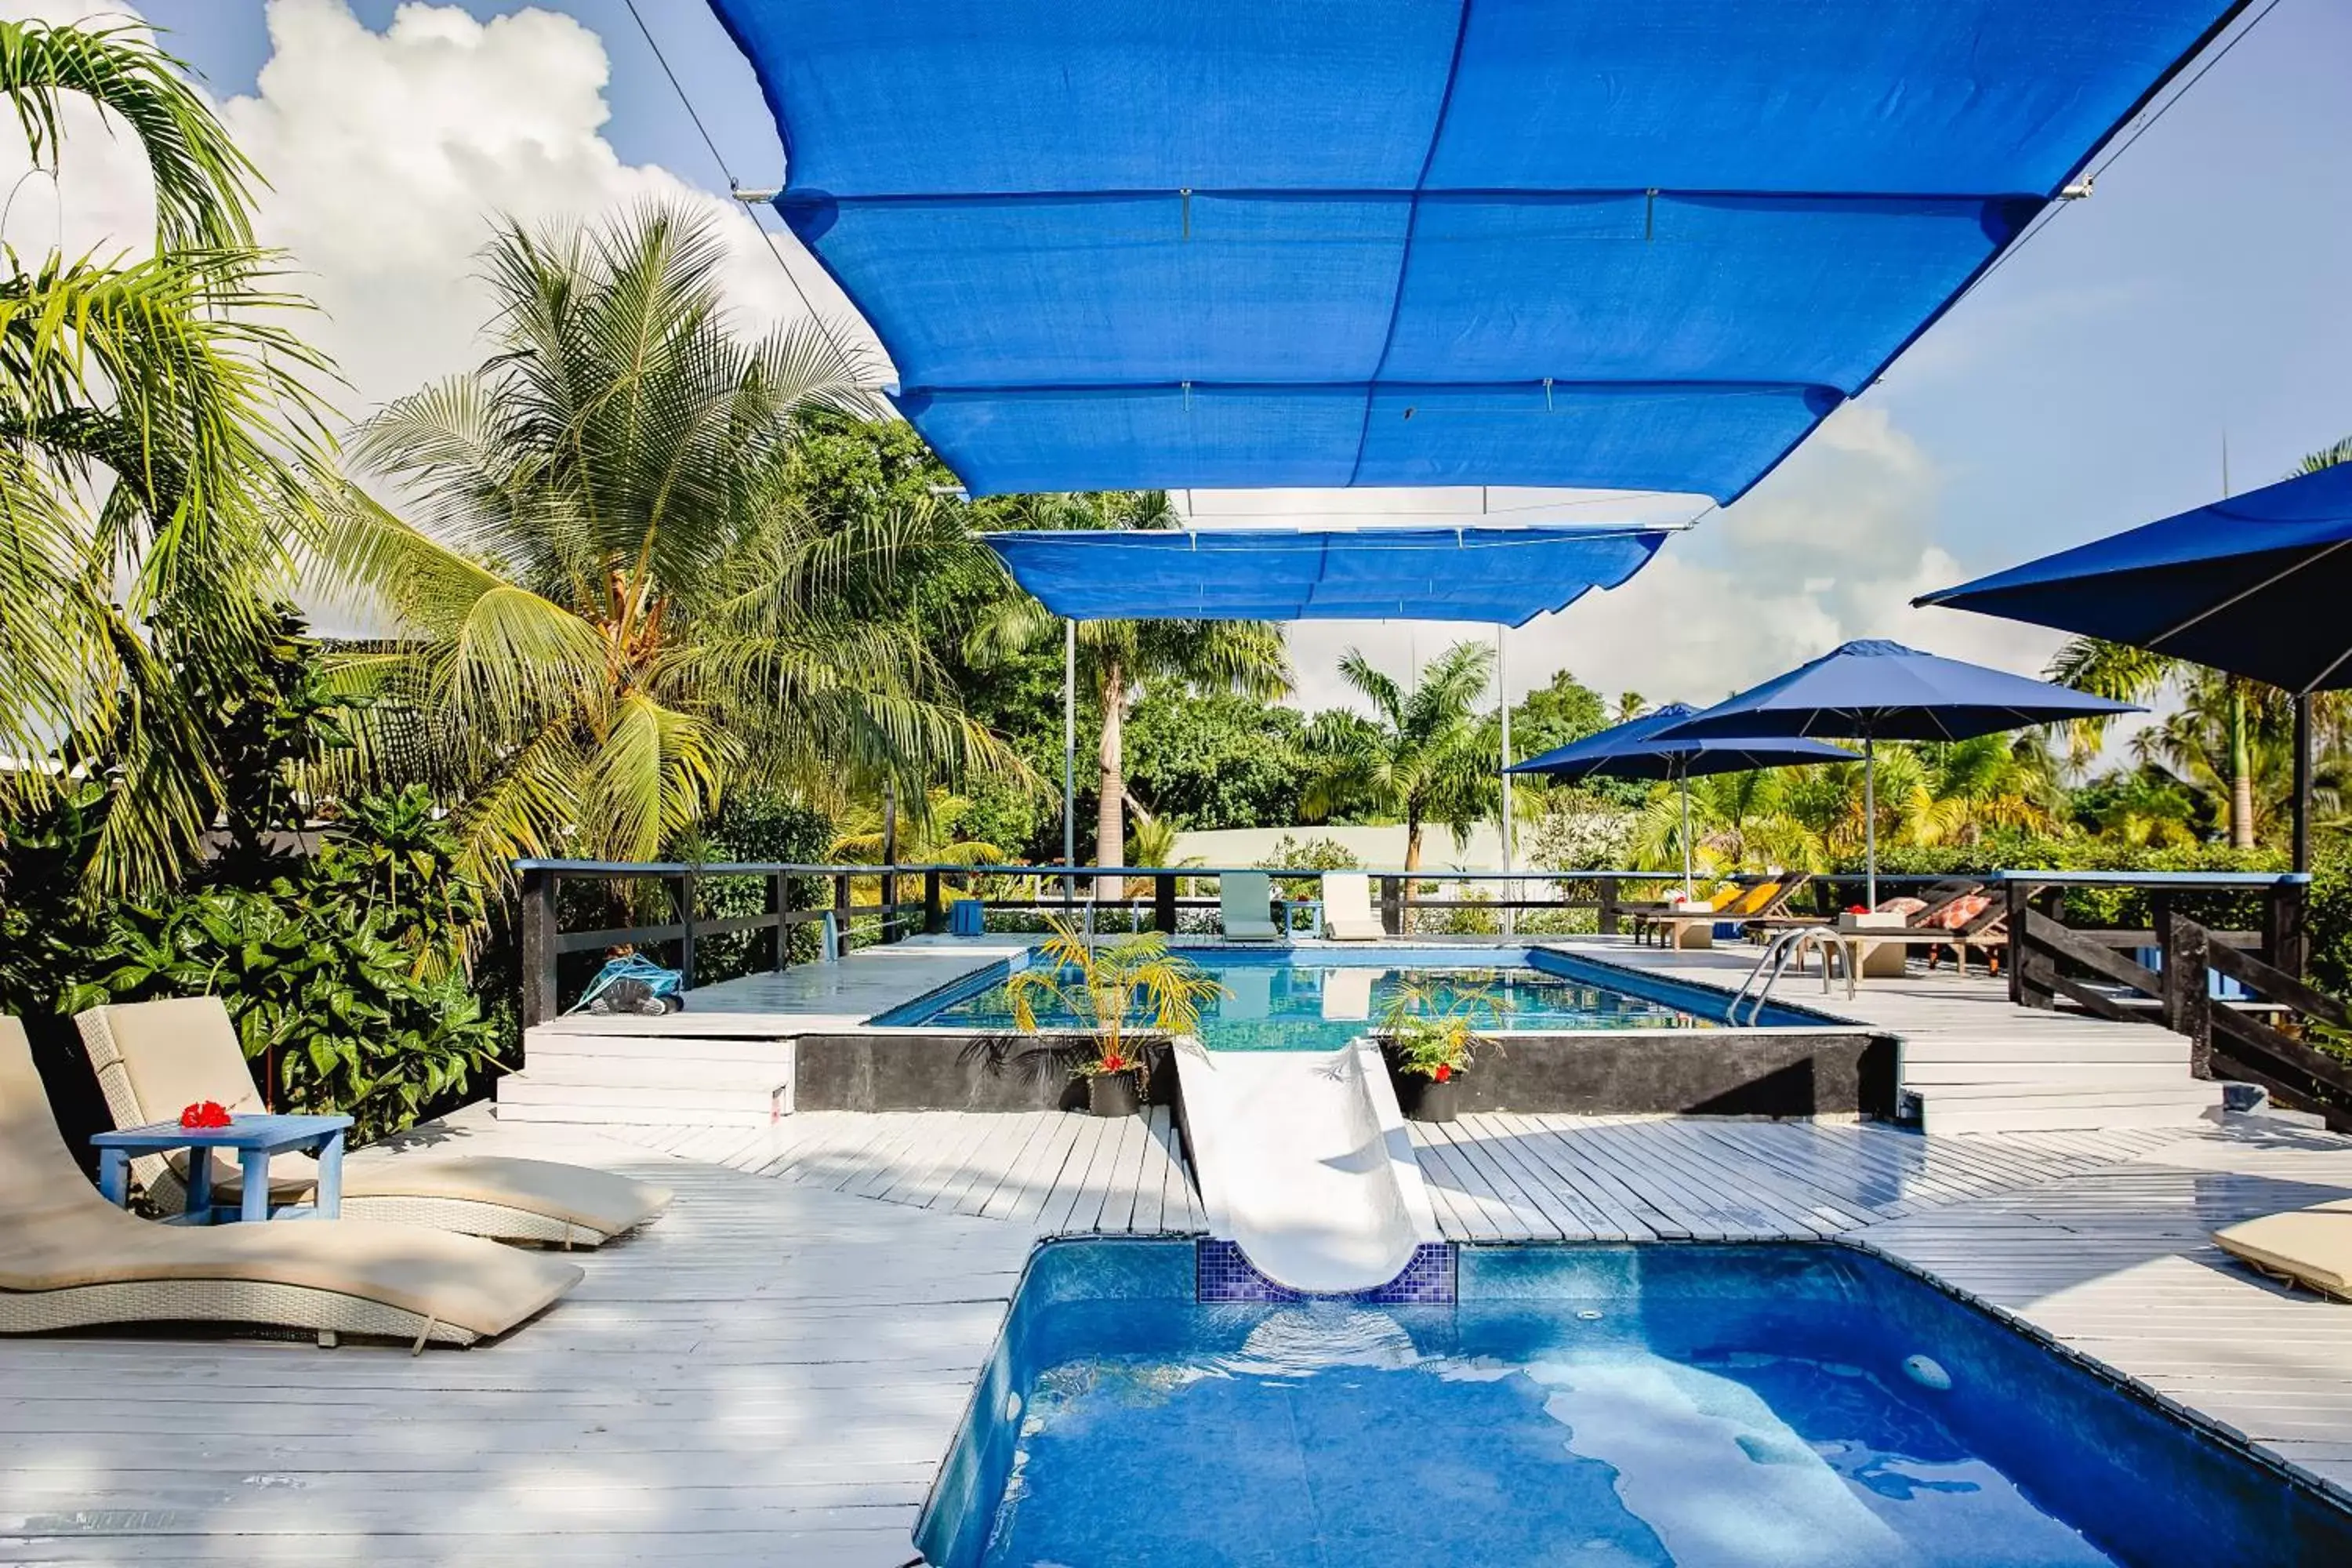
pixel 2303 782
pixel 1069 763
pixel 1870 820
pixel 1502 697
pixel 1688 894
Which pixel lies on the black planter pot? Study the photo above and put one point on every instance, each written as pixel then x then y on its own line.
pixel 1426 1100
pixel 1111 1094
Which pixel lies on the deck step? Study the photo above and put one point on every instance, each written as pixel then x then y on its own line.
pixel 2011 1107
pixel 524 1097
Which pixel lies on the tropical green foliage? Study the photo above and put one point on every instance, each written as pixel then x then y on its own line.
pixel 1121 660
pixel 1423 757
pixel 613 608
pixel 1431 1030
pixel 1111 989
pixel 344 974
pixel 157 417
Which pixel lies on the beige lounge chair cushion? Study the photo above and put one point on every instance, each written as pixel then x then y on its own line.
pixel 155 1058
pixel 2312 1246
pixel 56 1232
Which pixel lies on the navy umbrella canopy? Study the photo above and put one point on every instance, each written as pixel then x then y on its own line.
pixel 2255 585
pixel 1875 690
pixel 1638 749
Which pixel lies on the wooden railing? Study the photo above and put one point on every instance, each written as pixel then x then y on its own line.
pixel 2255 1034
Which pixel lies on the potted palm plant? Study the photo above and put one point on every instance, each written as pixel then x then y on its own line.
pixel 1429 1046
pixel 1109 992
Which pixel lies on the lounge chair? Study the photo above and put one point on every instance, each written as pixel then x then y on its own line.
pixel 1733 905
pixel 70 1260
pixel 1244 906
pixel 1347 915
pixel 153 1058
pixel 2310 1247
pixel 1914 908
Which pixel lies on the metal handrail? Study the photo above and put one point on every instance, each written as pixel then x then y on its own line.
pixel 1776 956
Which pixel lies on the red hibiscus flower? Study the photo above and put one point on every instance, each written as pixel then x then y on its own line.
pixel 1113 1064
pixel 1442 1072
pixel 205 1113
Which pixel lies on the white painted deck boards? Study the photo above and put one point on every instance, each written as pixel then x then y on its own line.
pixel 771 1373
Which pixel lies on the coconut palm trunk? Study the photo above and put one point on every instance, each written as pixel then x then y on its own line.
pixel 2241 772
pixel 1110 809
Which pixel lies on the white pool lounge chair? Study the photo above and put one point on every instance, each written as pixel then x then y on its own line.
pixel 1249 994
pixel 1347 915
pixel 70 1260
pixel 155 1058
pixel 1244 905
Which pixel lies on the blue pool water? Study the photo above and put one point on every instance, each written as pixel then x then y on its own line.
pixel 1320 998
pixel 1693 1405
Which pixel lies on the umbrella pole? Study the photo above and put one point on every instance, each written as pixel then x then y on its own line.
pixel 1688 894
pixel 1870 822
pixel 2303 782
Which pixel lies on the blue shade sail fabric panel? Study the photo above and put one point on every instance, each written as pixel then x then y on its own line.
pixel 1505 577
pixel 1334 202
pixel 1641 749
pixel 2256 585
pixel 1881 690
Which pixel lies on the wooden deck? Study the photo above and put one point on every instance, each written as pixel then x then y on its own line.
pixel 770 1374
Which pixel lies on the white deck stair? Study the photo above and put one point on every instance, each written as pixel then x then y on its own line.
pixel 1303 1160
pixel 2049 1072
pixel 716 1071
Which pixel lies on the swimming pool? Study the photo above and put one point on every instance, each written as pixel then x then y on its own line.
pixel 1320 998
pixel 1686 1403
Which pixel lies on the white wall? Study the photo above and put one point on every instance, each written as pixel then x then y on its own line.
pixel 1379 848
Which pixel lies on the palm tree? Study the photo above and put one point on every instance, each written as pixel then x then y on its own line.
pixel 2138 674
pixel 158 417
pixel 1421 758
pixel 1117 660
pixel 610 606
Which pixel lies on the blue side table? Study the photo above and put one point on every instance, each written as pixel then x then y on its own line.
pixel 253 1138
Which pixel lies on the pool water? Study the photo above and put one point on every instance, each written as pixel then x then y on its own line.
pixel 1693 1405
pixel 1309 1000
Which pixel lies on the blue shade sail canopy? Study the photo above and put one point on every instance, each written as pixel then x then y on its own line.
pixel 1232 243
pixel 2257 585
pixel 1505 576
pixel 1639 750
pixel 1884 692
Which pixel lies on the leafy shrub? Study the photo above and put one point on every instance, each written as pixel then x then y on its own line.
pixel 345 974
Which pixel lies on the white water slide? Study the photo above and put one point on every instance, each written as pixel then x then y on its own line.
pixel 1304 1161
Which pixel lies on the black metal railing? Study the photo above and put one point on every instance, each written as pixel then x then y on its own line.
pixel 667 908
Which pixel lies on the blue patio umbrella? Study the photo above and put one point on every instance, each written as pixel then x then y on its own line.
pixel 1638 749
pixel 1875 690
pixel 2255 585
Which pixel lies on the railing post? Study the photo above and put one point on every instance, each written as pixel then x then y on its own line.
pixel 686 928
pixel 1163 903
pixel 886 896
pixel 2020 948
pixel 1607 922
pixel 841 914
pixel 538 947
pixel 2285 943
pixel 781 903
pixel 934 917
pixel 2188 991
pixel 1391 905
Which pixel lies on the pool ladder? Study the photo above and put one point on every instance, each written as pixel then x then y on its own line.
pixel 1787 945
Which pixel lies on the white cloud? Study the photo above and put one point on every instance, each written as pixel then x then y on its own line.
pixel 389 156
pixel 1833 546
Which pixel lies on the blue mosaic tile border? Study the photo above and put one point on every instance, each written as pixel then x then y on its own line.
pixel 1225 1276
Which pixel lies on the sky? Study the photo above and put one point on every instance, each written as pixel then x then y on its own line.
pixel 2193 306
